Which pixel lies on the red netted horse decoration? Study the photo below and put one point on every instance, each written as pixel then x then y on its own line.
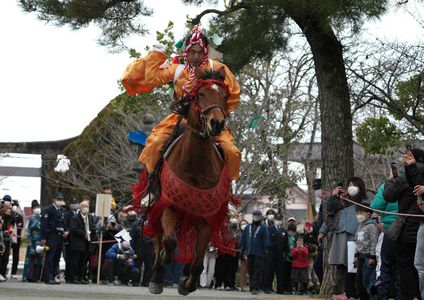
pixel 193 206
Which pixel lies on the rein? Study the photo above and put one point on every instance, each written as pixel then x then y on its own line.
pixel 201 111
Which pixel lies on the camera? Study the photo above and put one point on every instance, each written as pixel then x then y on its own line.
pixel 408 147
pixel 340 183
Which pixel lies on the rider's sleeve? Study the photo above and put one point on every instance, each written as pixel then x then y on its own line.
pixel 234 88
pixel 146 73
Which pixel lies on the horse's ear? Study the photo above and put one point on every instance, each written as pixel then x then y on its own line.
pixel 221 73
pixel 198 72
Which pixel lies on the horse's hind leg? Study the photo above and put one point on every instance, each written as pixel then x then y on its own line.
pixel 169 242
pixel 156 281
pixel 189 284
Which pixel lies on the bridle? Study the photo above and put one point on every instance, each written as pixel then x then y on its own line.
pixel 200 112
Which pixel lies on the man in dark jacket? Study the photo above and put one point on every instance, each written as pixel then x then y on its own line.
pixel 278 254
pixel 415 176
pixel 399 189
pixel 143 247
pixel 120 261
pixel 255 242
pixel 81 231
pixel 73 211
pixel 52 234
pixel 7 228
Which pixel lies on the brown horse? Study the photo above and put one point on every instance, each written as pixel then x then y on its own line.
pixel 194 164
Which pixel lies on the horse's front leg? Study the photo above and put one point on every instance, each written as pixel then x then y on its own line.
pixel 188 285
pixel 156 281
pixel 169 242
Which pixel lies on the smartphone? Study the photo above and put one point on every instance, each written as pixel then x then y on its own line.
pixel 340 183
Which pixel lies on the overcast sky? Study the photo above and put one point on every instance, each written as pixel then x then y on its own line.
pixel 54 81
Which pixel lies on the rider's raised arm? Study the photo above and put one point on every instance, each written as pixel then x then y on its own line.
pixel 146 73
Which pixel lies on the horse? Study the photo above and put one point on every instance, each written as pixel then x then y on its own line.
pixel 193 206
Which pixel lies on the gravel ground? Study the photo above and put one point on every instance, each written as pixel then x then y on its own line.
pixel 13 289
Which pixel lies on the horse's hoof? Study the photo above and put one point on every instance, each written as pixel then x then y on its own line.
pixel 155 288
pixel 181 287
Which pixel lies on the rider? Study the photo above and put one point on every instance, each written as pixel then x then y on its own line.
pixel 151 71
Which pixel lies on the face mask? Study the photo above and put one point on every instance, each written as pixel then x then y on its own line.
pixel 74 207
pixel 256 218
pixel 242 227
pixel 233 221
pixel 84 210
pixel 37 211
pixel 278 223
pixel 270 217
pixel 361 218
pixel 14 208
pixel 353 190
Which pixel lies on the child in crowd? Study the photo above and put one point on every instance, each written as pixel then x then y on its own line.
pixel 365 260
pixel 300 265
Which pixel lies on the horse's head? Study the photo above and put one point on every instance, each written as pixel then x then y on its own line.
pixel 209 103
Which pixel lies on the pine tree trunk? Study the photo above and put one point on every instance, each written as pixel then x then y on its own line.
pixel 336 117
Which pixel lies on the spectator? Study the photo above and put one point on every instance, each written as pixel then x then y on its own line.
pixel 268 259
pixel 227 264
pixel 33 258
pixel 208 266
pixel 299 274
pixel 143 247
pixel 16 236
pixel 398 189
pixel 2 247
pixel 73 211
pixel 311 242
pixel 292 232
pixel 415 174
pixel 255 242
pixel 342 224
pixel 8 223
pixel 291 220
pixel 52 234
pixel 81 231
pixel 389 278
pixel 278 253
pixel 243 261
pixel 366 240
pixel 131 219
pixel 120 262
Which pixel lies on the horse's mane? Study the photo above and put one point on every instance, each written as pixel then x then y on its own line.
pixel 211 75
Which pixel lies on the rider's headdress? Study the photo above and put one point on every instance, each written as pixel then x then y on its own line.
pixel 197 37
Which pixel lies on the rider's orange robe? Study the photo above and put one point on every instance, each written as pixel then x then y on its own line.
pixel 149 72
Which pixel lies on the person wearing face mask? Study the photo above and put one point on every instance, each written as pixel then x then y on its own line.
pixel 342 224
pixel 73 211
pixel 366 238
pixel 130 220
pixel 52 234
pixel 243 260
pixel 227 264
pixel 8 224
pixel 33 259
pixel 277 255
pixel 81 233
pixel 16 236
pixel 255 242
pixel 268 260
pixel 402 189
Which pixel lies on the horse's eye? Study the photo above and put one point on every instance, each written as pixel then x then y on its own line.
pixel 201 94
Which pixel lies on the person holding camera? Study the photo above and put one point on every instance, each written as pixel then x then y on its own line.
pixel 342 224
pixel 404 229
pixel 120 262
pixel 52 235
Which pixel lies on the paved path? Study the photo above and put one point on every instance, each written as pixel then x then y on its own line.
pixel 15 290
